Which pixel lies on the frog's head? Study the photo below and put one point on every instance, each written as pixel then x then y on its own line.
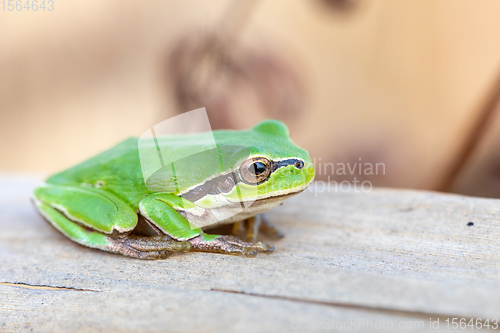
pixel 260 164
pixel 274 167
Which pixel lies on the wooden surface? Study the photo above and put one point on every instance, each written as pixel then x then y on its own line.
pixel 385 259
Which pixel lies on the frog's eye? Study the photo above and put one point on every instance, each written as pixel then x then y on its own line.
pixel 255 170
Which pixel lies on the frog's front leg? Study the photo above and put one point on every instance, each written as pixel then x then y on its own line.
pixel 269 229
pixel 161 209
pixel 98 219
pixel 251 227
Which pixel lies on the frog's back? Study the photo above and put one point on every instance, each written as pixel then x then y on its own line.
pixel 116 166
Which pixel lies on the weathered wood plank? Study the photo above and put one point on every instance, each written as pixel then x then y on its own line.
pixel 388 256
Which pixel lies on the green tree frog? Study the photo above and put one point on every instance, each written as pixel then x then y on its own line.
pixel 107 204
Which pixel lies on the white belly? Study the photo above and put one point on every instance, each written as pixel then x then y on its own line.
pixel 210 218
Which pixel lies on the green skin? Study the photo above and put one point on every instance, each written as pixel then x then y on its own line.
pixel 101 202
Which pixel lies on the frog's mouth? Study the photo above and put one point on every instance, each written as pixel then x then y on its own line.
pixel 278 197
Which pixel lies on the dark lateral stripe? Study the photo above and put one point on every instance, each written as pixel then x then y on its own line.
pixel 225 183
pixel 283 163
pixel 221 184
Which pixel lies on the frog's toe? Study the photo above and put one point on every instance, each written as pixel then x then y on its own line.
pixel 152 255
pixel 239 229
pixel 157 243
pixel 155 247
pixel 250 228
pixel 259 246
pixel 270 229
pixel 129 251
pixel 230 245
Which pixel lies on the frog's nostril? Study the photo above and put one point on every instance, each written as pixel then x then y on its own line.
pixel 299 164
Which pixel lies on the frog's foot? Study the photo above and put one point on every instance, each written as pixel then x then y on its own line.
pixel 270 229
pixel 256 224
pixel 153 247
pixel 228 244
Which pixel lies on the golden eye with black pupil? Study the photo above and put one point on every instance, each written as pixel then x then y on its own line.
pixel 255 170
pixel 299 164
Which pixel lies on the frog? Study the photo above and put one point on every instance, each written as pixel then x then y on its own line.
pixel 106 203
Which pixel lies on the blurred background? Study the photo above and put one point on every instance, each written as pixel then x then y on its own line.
pixel 412 84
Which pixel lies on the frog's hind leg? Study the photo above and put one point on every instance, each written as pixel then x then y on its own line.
pixel 160 209
pixel 228 244
pixel 97 219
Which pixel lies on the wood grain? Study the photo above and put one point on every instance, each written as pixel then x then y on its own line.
pixel 390 259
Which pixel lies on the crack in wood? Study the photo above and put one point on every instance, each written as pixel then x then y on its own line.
pixel 407 313
pixel 43 287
